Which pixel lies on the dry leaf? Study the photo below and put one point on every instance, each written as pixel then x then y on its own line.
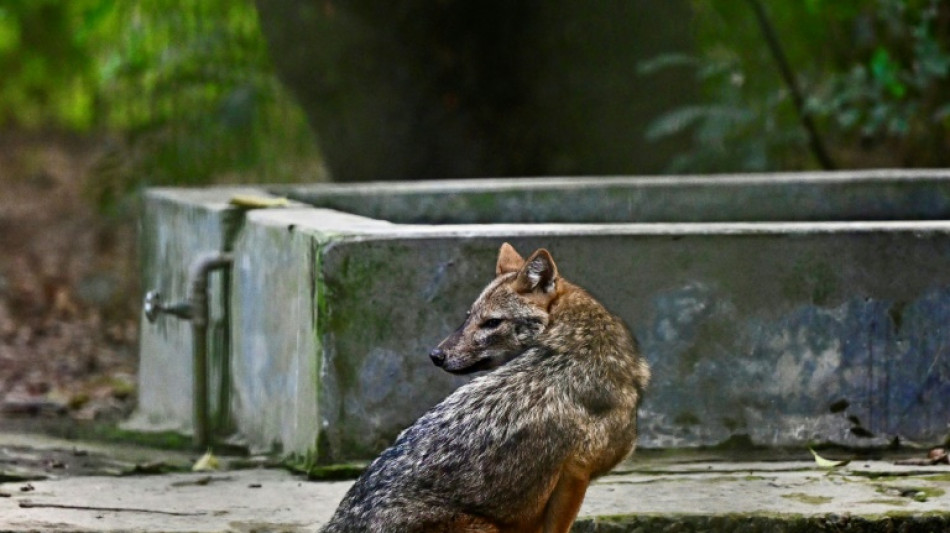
pixel 208 462
pixel 827 463
pixel 249 201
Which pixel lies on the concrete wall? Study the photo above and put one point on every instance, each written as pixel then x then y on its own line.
pixel 177 225
pixel 753 329
pixel 280 307
pixel 825 196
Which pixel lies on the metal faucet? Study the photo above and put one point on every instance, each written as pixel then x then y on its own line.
pixel 155 307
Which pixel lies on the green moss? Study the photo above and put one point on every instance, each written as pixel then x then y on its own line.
pixel 484 205
pixel 875 476
pixel 943 516
pixel 807 498
pixel 747 522
pixel 715 329
pixel 307 464
pixel 916 493
pixel 318 297
pixel 738 442
pixel 732 424
pixel 716 479
pixel 687 419
pixel 889 501
pixel 336 472
pixel 765 522
pixel 932 492
pixel 164 440
pixel 347 317
pixel 813 280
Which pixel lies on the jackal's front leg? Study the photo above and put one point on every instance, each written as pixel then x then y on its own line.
pixel 565 501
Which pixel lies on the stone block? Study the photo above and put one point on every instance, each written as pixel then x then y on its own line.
pixel 774 333
pixel 178 225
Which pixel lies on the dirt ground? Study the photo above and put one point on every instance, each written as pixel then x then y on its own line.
pixel 68 285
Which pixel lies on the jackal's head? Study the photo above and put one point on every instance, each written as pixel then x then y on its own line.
pixel 507 317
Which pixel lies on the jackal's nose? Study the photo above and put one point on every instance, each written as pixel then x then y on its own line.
pixel 437 356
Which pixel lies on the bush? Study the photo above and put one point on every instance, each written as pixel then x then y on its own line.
pixel 873 77
pixel 185 89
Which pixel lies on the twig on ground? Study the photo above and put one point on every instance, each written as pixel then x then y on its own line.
pixel 30 505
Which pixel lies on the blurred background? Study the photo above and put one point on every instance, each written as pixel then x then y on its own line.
pixel 100 98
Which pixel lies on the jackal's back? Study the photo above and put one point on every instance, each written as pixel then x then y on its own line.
pixel 513 449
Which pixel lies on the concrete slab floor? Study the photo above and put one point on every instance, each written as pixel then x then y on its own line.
pixel 652 492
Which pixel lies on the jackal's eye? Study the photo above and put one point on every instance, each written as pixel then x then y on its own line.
pixel 491 323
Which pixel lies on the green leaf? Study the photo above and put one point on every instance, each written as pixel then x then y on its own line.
pixel 664 61
pixel 885 70
pixel 675 121
pixel 9 33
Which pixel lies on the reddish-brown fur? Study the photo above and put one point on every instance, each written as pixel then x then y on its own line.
pixel 513 450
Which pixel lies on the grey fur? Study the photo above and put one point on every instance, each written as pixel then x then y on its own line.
pixel 488 457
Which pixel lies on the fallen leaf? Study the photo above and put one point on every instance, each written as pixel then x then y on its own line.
pixel 207 463
pixel 935 456
pixel 827 463
pixel 938 455
pixel 249 201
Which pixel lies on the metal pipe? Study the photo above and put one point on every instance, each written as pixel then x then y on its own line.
pixel 200 270
pixel 195 309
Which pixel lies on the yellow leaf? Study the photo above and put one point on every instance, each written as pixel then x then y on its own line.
pixel 207 462
pixel 250 201
pixel 827 463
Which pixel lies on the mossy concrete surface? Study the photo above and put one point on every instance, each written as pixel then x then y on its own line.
pixel 650 493
pixel 177 225
pixel 752 330
pixel 778 333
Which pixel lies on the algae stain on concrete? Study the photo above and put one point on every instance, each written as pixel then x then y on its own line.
pixel 687 418
pixel 318 302
pixel 915 493
pixel 812 280
pixel 808 498
pixel 889 501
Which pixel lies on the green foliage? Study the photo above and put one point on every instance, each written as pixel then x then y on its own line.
pixel 48 73
pixel 185 86
pixel 741 128
pixel 192 85
pixel 895 95
pixel 875 76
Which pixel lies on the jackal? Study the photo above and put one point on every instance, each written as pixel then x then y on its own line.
pixel 515 449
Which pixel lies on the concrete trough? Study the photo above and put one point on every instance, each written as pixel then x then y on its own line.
pixel 766 317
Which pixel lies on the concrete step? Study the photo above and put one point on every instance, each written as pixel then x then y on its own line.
pixel 691 492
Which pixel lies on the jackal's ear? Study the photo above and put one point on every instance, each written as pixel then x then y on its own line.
pixel 508 260
pixel 539 273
